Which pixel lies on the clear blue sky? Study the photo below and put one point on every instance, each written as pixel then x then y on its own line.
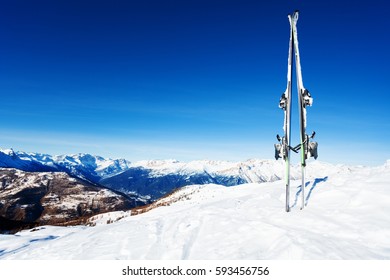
pixel 194 79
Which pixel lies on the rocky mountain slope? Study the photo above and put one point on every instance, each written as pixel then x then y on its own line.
pixel 53 198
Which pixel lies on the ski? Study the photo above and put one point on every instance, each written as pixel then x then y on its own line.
pixel 303 100
pixel 282 150
pixel 308 149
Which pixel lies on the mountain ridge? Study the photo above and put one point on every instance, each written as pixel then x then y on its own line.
pixel 82 165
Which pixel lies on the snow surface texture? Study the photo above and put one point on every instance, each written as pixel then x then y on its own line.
pixel 347 217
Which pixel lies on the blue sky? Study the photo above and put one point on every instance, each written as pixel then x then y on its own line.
pixel 191 79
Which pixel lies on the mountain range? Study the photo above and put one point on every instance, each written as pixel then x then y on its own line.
pixel 85 166
pixel 152 179
pixel 148 179
pixel 29 181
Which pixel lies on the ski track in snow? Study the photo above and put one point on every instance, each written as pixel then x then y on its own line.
pixel 346 218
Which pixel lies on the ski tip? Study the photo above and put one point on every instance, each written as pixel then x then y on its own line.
pixel 295 15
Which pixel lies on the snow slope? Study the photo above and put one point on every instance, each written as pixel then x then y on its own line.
pixel 347 217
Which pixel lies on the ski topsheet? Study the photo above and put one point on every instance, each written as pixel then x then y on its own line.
pixel 282 150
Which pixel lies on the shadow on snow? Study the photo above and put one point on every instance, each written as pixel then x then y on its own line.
pixel 316 181
pixel 314 185
pixel 50 237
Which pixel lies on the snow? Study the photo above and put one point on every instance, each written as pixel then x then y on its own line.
pixel 107 218
pixel 346 218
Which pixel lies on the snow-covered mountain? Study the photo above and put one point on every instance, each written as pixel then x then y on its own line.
pixel 154 179
pixel 157 178
pixel 52 198
pixel 347 217
pixel 11 159
pixel 85 166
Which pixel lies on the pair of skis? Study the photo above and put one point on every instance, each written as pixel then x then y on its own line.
pixel 306 147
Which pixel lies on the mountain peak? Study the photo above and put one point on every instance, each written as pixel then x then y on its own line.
pixel 10 152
